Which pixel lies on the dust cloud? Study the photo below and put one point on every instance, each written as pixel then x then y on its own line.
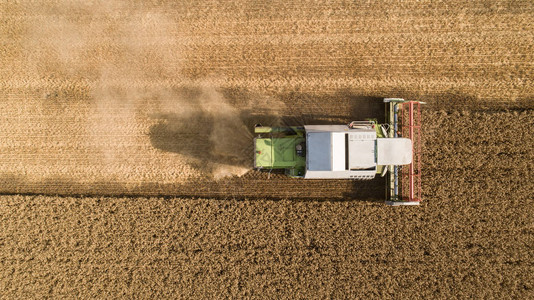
pixel 200 122
pixel 128 90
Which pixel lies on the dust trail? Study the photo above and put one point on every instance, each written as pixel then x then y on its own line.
pixel 201 123
pixel 116 106
pixel 229 136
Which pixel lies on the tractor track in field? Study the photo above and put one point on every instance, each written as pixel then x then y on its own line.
pixel 444 131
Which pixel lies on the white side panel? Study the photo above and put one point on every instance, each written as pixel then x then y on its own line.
pixel 338 151
pixel 326 128
pixel 359 174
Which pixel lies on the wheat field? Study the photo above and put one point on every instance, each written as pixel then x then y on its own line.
pixel 126 149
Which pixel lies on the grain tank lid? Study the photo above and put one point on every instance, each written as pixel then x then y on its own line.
pixel 319 151
pixel 394 151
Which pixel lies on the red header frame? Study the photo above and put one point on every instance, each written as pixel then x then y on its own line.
pixel 409 116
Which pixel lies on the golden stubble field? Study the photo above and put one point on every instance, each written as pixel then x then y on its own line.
pixel 155 98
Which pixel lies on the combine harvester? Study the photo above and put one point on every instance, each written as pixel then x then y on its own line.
pixel 359 150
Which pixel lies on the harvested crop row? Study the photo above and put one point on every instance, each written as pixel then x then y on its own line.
pixel 474 148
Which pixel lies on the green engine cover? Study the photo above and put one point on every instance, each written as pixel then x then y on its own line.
pixel 279 153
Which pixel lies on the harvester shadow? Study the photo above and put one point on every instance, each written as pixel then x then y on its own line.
pixel 367 190
pixel 210 138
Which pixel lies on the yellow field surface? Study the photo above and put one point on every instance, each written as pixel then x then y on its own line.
pixel 159 99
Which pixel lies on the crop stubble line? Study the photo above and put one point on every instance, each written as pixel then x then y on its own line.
pixel 376 84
